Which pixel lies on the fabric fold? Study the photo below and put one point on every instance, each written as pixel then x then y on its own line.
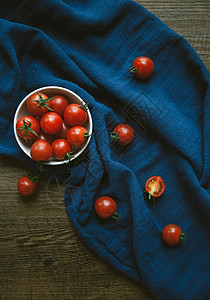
pixel 87 47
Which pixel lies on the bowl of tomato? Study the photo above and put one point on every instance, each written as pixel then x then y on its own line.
pixel 53 125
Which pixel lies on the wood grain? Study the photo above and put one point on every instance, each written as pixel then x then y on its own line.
pixel 41 256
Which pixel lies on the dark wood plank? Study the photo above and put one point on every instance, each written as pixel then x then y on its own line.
pixel 41 256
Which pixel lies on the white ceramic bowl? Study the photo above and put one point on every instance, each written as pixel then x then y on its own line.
pixel 50 91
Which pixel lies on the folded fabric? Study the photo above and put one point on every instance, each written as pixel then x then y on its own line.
pixel 88 46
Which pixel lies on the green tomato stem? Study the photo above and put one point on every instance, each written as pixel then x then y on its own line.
pixel 43 102
pixel 27 127
pixel 133 70
pixel 68 156
pixel 86 135
pixel 115 216
pixel 114 136
pixel 84 106
pixel 183 237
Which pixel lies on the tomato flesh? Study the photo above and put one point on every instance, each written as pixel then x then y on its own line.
pixel 155 186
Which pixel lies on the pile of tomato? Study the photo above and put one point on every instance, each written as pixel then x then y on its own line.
pixel 55 127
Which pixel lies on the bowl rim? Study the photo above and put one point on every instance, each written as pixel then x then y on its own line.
pixel 42 89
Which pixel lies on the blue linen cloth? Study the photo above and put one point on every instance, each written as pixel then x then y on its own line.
pixel 88 46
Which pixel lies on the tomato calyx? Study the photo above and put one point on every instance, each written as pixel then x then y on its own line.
pixel 84 106
pixel 115 217
pixel 150 196
pixel 27 127
pixel 43 102
pixel 34 179
pixel 68 156
pixel 114 136
pixel 86 135
pixel 40 166
pixel 132 70
pixel 106 208
pixel 183 237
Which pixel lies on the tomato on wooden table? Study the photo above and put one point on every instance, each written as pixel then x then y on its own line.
pixel 77 136
pixel 26 186
pixel 123 134
pixel 27 127
pixel 60 149
pixel 51 123
pixel 172 235
pixel 38 104
pixel 142 68
pixel 106 207
pixel 155 186
pixel 75 114
pixel 59 104
pixel 41 151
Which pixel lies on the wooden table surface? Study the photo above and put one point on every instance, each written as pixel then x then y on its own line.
pixel 41 256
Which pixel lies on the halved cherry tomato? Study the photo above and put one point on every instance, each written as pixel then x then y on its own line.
pixel 51 123
pixel 45 137
pixel 26 186
pixel 77 136
pixel 75 114
pixel 155 186
pixel 172 235
pixel 60 148
pixel 106 207
pixel 41 151
pixel 38 104
pixel 143 67
pixel 27 127
pixel 58 104
pixel 123 134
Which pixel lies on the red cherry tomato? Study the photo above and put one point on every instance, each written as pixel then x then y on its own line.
pixel 60 148
pixel 106 207
pixel 38 104
pixel 172 235
pixel 58 104
pixel 155 186
pixel 75 114
pixel 45 137
pixel 27 127
pixel 123 134
pixel 77 136
pixel 63 132
pixel 26 187
pixel 143 67
pixel 41 151
pixel 51 123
